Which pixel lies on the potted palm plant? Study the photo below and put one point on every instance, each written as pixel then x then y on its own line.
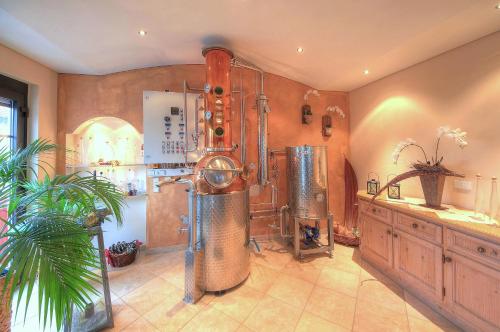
pixel 46 250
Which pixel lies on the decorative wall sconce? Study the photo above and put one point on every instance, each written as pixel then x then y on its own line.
pixel 326 120
pixel 306 108
pixel 393 190
pixel 372 185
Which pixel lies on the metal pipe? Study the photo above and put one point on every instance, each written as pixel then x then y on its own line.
pixel 243 128
pixel 282 223
pixel 263 109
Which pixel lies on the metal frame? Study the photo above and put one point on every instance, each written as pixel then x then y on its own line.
pixel 321 248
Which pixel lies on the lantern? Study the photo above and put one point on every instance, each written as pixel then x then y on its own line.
pixel 394 190
pixel 372 185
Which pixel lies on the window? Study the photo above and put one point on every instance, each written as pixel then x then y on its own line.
pixel 13 113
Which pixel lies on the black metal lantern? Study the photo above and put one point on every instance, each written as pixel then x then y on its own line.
pixel 393 190
pixel 372 185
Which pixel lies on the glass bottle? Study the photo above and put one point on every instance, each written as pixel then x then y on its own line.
pixel 493 199
pixel 478 199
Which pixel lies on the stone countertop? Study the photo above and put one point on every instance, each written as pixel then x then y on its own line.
pixel 453 217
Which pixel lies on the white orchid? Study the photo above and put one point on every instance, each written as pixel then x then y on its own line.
pixel 336 109
pixel 400 147
pixel 457 134
pixel 310 92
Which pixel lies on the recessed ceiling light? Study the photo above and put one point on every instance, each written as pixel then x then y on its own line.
pixel 366 71
pixel 497 6
pixel 142 33
pixel 300 50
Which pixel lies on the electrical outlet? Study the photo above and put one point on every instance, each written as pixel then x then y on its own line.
pixel 462 185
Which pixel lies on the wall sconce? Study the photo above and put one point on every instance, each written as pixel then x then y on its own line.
pixel 372 185
pixel 306 108
pixel 394 190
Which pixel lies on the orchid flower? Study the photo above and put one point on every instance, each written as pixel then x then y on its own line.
pixel 336 109
pixel 309 92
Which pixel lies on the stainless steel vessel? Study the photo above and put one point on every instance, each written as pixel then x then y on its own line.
pixel 224 220
pixel 307 171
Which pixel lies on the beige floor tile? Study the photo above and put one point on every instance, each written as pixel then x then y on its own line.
pixel 243 328
pixel 238 303
pixel 273 315
pixel 345 263
pixel 160 263
pixel 211 319
pixel 333 306
pixel 389 296
pixel 124 281
pixel 419 310
pixel 274 258
pixel 175 275
pixel 146 297
pixel 371 317
pixel 124 318
pixel 309 322
pixel 419 325
pixel 339 280
pixel 261 277
pixel 140 325
pixel 291 290
pixel 171 314
pixel 344 250
pixel 302 270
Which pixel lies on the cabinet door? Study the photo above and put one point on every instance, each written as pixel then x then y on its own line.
pixel 473 291
pixel 376 241
pixel 419 264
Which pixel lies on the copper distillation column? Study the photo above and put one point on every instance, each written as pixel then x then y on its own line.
pixel 218 255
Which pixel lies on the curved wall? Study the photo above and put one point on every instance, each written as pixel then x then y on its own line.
pixel 82 97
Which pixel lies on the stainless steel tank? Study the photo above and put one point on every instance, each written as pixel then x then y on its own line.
pixel 225 236
pixel 307 173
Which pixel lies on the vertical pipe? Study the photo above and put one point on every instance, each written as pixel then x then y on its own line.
pixel 263 109
pixel 243 126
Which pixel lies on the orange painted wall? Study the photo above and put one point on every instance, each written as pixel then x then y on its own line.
pixel 82 97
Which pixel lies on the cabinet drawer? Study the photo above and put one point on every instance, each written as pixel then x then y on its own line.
pixel 419 228
pixel 473 247
pixel 376 211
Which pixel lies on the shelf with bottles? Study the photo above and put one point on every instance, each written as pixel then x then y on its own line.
pixel 112 148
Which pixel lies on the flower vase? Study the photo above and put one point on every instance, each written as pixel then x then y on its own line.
pixel 432 186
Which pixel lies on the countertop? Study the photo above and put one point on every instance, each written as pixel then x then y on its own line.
pixel 453 217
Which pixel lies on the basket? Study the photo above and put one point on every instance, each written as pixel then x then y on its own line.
pixel 348 240
pixel 5 311
pixel 120 260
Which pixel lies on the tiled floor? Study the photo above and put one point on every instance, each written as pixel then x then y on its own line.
pixel 281 294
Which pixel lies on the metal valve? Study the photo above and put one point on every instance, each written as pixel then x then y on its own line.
pixel 184 219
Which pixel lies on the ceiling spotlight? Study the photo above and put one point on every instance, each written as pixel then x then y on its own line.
pixel 366 71
pixel 497 6
pixel 300 50
pixel 142 33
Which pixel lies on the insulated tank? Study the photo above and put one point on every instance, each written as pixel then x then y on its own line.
pixel 307 173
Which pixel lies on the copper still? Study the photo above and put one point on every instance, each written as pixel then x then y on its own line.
pixel 218 255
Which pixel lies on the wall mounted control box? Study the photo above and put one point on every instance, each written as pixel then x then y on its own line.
pixel 169 127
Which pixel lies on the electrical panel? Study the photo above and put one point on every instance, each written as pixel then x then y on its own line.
pixel 170 135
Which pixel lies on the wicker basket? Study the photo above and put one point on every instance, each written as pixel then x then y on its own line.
pixel 121 260
pixel 348 240
pixel 5 311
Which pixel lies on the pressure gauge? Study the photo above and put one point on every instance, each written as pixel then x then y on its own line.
pixel 206 88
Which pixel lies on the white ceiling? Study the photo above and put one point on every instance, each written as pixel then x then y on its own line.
pixel 340 37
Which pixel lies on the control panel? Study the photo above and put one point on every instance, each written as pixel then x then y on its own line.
pixel 169 127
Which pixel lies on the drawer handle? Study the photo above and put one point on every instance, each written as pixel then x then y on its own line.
pixel 494 253
pixel 414 225
pixel 374 210
pixel 481 250
pixel 389 232
pixel 447 259
pixel 395 235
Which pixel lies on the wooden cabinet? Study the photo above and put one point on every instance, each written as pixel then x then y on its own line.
pixel 419 264
pixel 472 291
pixel 377 241
pixel 456 270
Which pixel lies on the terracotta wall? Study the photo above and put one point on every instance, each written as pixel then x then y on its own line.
pixel 459 88
pixel 42 94
pixel 82 97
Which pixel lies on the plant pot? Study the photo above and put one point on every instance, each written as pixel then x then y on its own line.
pixel 5 311
pixel 432 186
